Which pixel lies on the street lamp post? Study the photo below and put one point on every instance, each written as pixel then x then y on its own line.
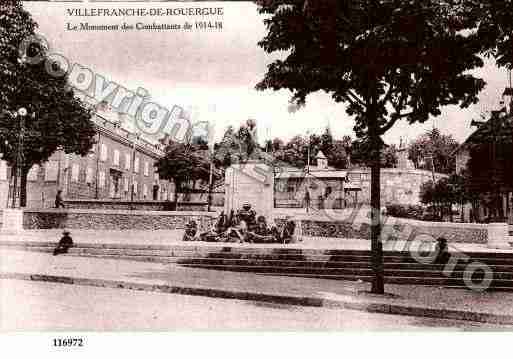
pixel 132 169
pixel 210 182
pixel 18 173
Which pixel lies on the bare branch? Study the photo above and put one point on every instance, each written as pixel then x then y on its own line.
pixel 388 95
pixel 388 125
pixel 356 98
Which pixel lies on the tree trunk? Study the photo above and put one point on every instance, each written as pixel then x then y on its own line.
pixel 175 196
pixel 376 245
pixel 23 188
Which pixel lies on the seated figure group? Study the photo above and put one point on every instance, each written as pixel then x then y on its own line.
pixel 243 226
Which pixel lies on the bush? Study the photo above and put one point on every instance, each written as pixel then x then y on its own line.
pixel 405 211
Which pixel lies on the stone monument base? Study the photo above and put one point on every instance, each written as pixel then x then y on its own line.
pixel 498 236
pixel 12 220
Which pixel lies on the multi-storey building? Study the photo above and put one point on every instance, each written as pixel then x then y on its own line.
pixel 120 166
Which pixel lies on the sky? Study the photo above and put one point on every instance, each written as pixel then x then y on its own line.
pixel 216 71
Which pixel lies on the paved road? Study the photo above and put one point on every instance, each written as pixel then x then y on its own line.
pixel 49 306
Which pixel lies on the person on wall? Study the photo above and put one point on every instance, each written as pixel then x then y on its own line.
pixel 307 200
pixel 59 202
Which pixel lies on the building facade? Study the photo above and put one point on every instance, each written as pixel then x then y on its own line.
pixel 327 186
pixel 120 166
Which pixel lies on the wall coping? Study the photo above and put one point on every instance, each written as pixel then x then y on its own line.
pixel 440 224
pixel 121 212
pixel 390 221
pixel 81 200
pixel 414 171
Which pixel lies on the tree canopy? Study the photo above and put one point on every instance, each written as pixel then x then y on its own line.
pixel 56 119
pixel 440 146
pixel 183 164
pixel 361 150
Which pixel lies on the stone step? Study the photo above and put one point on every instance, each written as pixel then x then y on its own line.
pixel 503 284
pixel 350 265
pixel 396 260
pixel 410 272
pixel 237 249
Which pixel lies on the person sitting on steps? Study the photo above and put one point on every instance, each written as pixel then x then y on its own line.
pixel 248 216
pixel 191 229
pixel 442 251
pixel 287 232
pixel 236 229
pixel 261 233
pixel 64 244
pixel 217 231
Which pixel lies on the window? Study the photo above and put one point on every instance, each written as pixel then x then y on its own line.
pixel 127 161
pixel 116 158
pixel 136 165
pixel 89 175
pixel 135 186
pixel 127 184
pixel 75 169
pixel 145 190
pixel 103 153
pixel 101 179
pixel 156 175
pixel 146 169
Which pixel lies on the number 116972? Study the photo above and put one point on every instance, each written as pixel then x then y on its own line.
pixel 68 342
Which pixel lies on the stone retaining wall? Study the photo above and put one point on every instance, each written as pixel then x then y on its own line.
pixel 401 230
pixel 113 219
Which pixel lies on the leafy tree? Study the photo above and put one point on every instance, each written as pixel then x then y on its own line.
pixel 183 164
pixel 338 155
pixel 56 118
pixel 295 152
pixel 435 144
pixel 361 154
pixel 389 156
pixel 387 60
pixel 495 28
pixel 346 143
pixel 334 150
pixel 436 195
pixel 445 193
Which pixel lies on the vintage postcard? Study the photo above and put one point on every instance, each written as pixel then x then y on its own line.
pixel 267 165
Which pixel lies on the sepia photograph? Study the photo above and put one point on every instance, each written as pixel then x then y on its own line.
pixel 255 166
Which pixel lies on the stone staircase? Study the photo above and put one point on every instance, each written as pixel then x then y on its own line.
pixel 400 267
